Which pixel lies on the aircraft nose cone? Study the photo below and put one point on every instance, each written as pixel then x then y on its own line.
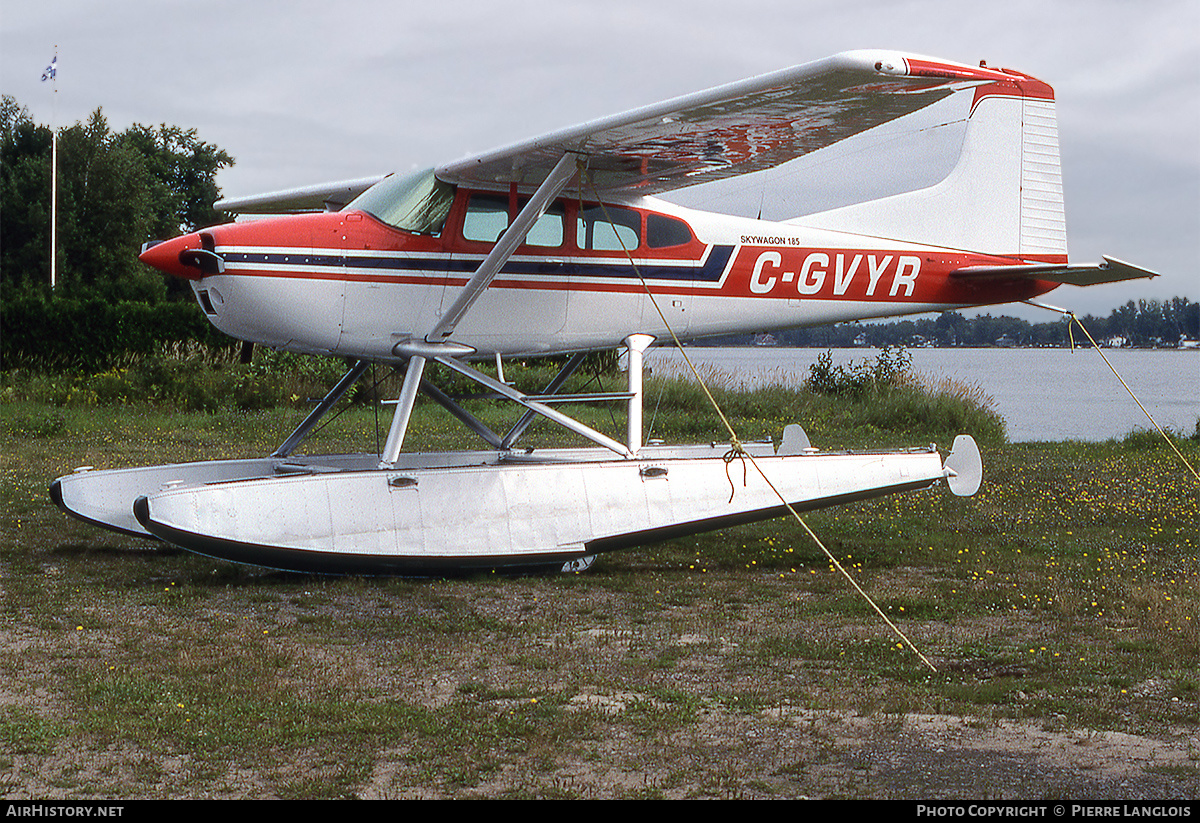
pixel 167 256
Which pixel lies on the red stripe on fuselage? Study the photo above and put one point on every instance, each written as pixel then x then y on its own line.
pixel 771 272
pixel 764 273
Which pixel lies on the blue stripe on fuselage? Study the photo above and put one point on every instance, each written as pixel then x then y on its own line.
pixel 710 272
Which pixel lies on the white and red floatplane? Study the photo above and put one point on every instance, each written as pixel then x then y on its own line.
pixel 560 245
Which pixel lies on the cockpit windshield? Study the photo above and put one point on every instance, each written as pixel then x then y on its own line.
pixel 416 203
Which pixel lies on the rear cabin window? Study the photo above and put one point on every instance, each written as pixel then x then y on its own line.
pixel 662 231
pixel 550 229
pixel 608 229
pixel 487 218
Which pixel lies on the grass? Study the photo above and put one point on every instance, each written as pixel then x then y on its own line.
pixel 1066 593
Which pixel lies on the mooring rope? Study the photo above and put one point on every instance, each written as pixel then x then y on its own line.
pixel 736 449
pixel 1075 319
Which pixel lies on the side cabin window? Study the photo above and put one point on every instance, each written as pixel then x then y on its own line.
pixel 550 229
pixel 596 228
pixel 487 218
pixel 608 229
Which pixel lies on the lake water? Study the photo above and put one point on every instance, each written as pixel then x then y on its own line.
pixel 1043 394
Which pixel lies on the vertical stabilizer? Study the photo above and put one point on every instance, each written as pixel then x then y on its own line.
pixel 1004 196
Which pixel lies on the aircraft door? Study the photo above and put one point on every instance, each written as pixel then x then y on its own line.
pixel 618 247
pixel 669 247
pixel 393 284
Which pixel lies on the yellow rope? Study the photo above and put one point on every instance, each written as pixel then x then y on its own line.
pixel 1165 436
pixel 1074 319
pixel 737 450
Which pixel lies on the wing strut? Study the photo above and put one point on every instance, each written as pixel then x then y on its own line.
pixel 437 341
pixel 514 236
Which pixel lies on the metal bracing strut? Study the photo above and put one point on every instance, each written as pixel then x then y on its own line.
pixel 335 394
pixel 534 405
pixel 566 371
pixel 463 416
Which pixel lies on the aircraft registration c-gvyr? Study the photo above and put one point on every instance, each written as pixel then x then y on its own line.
pixel 558 244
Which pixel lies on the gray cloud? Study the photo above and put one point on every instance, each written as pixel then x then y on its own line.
pixel 302 92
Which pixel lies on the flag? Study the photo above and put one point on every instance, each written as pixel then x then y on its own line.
pixel 51 69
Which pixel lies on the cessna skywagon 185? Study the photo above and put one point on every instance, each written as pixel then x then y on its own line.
pixel 557 245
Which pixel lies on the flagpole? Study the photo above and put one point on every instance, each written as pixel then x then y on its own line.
pixel 52 74
pixel 54 194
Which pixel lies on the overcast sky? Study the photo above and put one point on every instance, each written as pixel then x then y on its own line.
pixel 304 92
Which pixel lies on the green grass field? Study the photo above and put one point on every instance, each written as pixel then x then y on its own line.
pixel 734 664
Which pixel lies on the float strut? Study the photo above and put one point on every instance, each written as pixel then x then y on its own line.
pixel 635 345
pixel 335 394
pixel 404 407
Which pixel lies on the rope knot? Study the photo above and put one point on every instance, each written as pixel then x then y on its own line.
pixel 736 452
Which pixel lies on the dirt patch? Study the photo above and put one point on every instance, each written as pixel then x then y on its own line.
pixel 687 736
pixel 807 754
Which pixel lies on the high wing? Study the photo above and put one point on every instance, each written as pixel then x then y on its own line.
pixel 730 130
pixel 726 131
pixel 321 197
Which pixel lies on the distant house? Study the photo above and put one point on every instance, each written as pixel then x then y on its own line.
pixel 1115 342
pixel 1006 342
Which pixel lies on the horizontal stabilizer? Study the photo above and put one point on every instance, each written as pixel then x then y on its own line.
pixel 1110 271
pixel 321 197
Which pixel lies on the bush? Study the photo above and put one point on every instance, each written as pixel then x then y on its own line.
pixel 886 394
pixel 60 333
pixel 892 368
pixel 915 409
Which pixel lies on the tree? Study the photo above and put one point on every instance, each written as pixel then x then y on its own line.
pixel 951 328
pixel 183 169
pixel 24 197
pixel 115 192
